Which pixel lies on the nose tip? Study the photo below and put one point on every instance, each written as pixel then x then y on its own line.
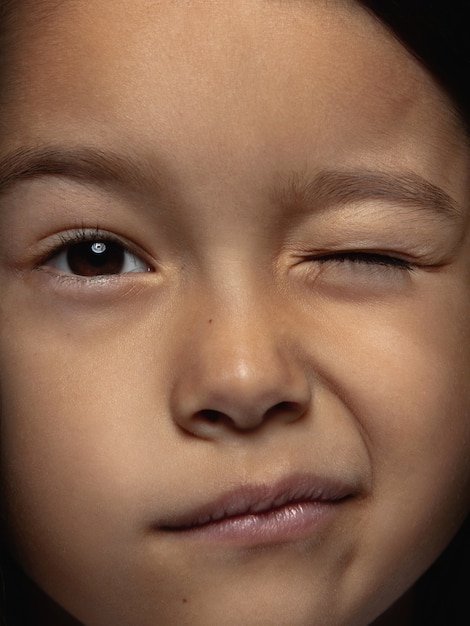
pixel 240 391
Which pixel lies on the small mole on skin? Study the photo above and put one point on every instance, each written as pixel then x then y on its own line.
pixel 210 321
pixel 185 600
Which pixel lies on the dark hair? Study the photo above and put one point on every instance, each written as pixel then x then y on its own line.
pixel 436 32
pixel 13 583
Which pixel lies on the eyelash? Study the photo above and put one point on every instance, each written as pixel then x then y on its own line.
pixel 83 235
pixel 365 258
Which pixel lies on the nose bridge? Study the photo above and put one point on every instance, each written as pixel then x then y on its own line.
pixel 238 345
pixel 239 303
pixel 240 365
pixel 243 332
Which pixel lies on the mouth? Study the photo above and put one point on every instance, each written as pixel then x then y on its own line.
pixel 290 509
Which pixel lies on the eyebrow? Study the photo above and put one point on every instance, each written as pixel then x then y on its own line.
pixel 84 164
pixel 343 187
pixel 326 189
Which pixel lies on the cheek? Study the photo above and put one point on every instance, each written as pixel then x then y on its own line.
pixel 82 431
pixel 416 395
pixel 406 382
pixel 416 417
pixel 79 419
pixel 71 441
pixel 403 368
pixel 401 372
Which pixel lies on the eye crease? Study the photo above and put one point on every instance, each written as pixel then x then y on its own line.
pixel 92 255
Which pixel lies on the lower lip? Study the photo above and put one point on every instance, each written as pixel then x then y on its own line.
pixel 288 523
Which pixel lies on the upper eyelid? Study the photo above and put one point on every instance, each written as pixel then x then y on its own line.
pixel 63 239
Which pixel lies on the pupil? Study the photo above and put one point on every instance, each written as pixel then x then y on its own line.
pixel 95 258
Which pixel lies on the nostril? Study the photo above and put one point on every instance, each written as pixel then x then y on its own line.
pixel 283 408
pixel 210 415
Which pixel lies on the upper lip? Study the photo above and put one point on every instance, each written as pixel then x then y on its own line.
pixel 258 498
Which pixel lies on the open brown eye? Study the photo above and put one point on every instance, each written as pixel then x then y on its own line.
pixel 95 258
pixel 98 257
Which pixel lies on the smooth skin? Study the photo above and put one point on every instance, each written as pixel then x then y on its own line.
pixel 273 321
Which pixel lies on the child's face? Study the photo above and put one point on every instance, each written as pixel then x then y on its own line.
pixel 304 330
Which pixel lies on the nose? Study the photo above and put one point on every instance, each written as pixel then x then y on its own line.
pixel 239 375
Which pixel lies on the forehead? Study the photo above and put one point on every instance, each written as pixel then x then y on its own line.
pixel 249 38
pixel 261 73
